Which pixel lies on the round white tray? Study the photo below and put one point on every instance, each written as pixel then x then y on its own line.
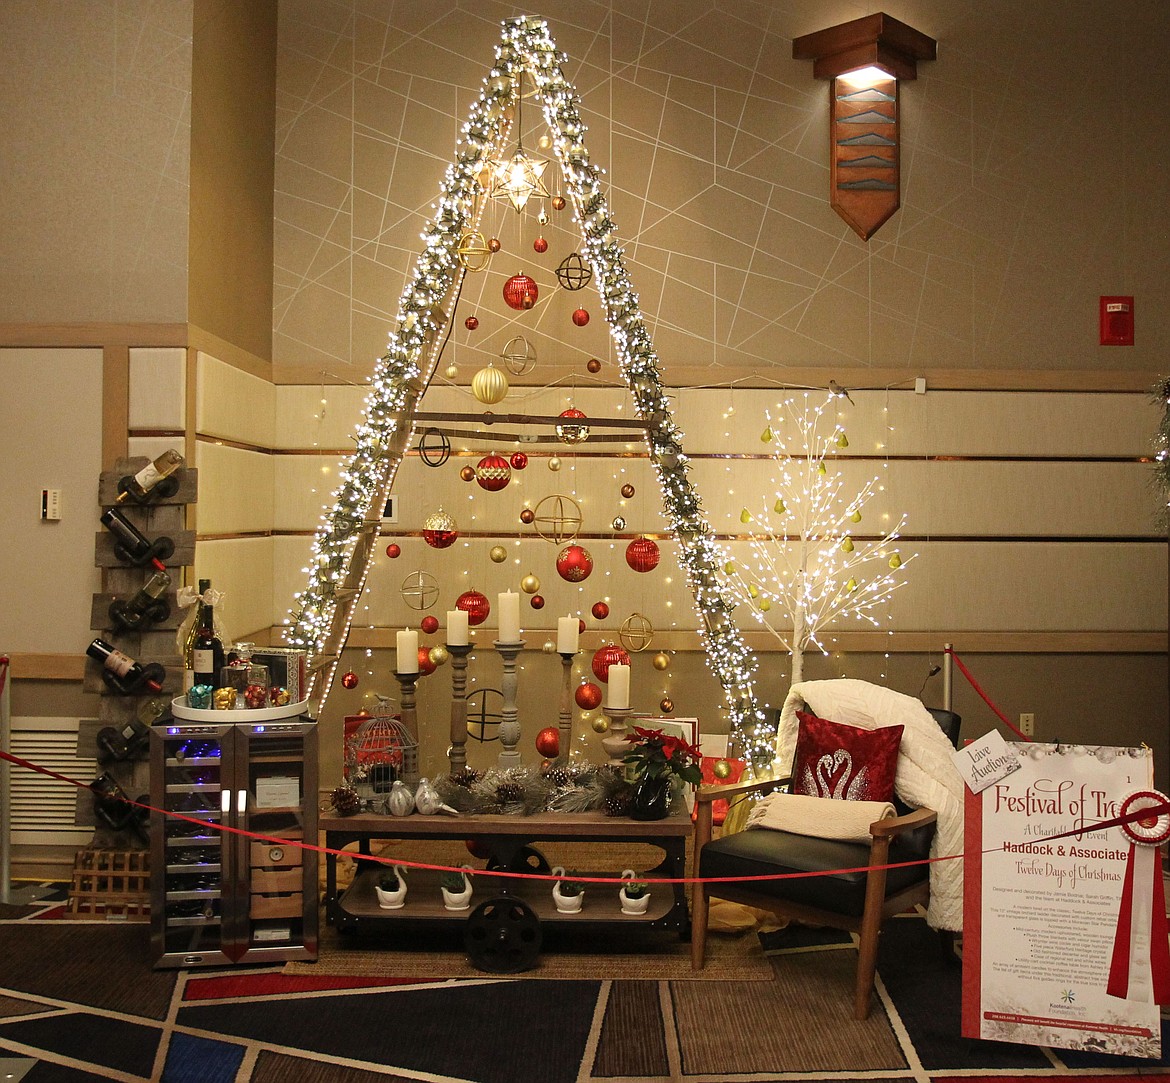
pixel 180 709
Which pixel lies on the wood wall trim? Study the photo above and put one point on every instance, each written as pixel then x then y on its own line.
pixel 115 404
pixel 47 667
pixel 229 353
pixel 72 335
pixel 1126 381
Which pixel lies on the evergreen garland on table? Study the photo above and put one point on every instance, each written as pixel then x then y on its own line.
pixel 564 786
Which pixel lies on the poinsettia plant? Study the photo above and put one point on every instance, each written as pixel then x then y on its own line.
pixel 654 754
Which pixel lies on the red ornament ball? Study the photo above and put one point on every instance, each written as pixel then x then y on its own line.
pixel 493 473
pixel 609 655
pixel 349 679
pixel 587 696
pixel 628 490
pixel 471 323
pixel 593 365
pixel 642 555
pixel 548 742
pixel 440 530
pixel 426 664
pixel 520 292
pixel 540 245
pixel 475 605
pixel 666 705
pixel 429 624
pixel 574 563
pixel 467 473
pixel 580 625
pixel 494 244
pixel 600 610
pixel 518 460
pixel 558 203
pixel 478 848
pixel 527 516
pixel 580 317
pixel 536 601
pixel 394 550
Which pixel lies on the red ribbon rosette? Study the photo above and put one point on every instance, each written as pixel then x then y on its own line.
pixel 1140 968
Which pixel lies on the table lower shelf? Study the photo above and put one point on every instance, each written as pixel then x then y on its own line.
pixel 357 909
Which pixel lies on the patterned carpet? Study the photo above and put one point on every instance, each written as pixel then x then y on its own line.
pixel 79 1002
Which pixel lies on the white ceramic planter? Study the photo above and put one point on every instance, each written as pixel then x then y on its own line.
pixel 566 904
pixel 458 900
pixel 393 900
pixel 632 906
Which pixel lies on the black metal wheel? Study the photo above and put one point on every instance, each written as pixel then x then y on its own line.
pixel 502 936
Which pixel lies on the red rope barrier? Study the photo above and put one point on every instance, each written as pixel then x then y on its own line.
pixel 1117 821
pixel 986 699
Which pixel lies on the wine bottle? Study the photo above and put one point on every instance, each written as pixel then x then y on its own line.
pixel 207 650
pixel 110 804
pixel 147 484
pixel 122 673
pixel 131 545
pixel 148 606
pixel 130 739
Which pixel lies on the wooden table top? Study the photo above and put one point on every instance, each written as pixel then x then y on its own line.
pixel 540 825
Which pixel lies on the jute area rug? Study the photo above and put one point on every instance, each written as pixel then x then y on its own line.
pixel 655 955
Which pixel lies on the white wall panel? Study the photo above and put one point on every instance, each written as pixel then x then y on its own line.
pixel 158 388
pixel 242 569
pixel 235 489
pixel 233 404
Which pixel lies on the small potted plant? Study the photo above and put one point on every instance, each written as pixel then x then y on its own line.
pixel 634 894
pixel 658 761
pixel 568 894
pixel 391 888
pixel 456 888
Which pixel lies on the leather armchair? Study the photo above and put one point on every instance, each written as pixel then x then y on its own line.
pixel 855 895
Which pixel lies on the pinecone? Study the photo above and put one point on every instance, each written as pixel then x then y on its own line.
pixel 618 803
pixel 559 776
pixel 345 800
pixel 466 777
pixel 509 793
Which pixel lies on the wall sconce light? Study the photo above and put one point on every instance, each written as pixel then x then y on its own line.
pixel 865 58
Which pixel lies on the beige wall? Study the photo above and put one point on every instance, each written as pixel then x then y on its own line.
pixel 1029 187
pixel 95 134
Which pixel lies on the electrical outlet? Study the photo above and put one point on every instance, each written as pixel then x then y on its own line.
pixel 1028 724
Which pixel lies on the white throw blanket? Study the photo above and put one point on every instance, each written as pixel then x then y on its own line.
pixel 926 775
pixel 820 817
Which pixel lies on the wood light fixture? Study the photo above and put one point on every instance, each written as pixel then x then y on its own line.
pixel 865 58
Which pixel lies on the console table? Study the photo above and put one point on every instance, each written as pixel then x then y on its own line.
pixel 523 903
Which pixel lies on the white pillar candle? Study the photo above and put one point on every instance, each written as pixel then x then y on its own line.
pixel 619 687
pixel 407 651
pixel 456 628
pixel 567 632
pixel 509 610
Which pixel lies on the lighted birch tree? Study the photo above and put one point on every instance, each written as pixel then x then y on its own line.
pixel 810 566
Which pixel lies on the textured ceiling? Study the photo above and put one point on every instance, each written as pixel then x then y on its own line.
pixel 1027 174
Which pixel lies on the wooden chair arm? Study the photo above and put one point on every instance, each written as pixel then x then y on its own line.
pixel 897 825
pixel 714 791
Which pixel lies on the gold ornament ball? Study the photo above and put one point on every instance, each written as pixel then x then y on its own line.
pixel 666 705
pixel 721 769
pixel 467 473
pixel 530 584
pixel 544 142
pixel 661 660
pixel 554 464
pixel 549 647
pixel 452 371
pixel 600 724
pixel 498 554
pixel 440 655
pixel 489 385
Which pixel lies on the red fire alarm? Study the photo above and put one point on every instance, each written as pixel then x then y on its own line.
pixel 1116 321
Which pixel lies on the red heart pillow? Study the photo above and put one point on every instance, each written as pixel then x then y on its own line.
pixel 844 762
